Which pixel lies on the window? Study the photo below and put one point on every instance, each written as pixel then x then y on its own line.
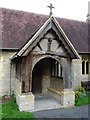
pixel 56 69
pixel 85 67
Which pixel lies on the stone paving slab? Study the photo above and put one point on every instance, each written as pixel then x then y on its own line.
pixel 45 102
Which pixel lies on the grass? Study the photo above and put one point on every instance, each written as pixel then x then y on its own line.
pixel 83 100
pixel 10 110
pixel 0 111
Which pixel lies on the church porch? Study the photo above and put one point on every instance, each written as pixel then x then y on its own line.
pixel 44 67
pixel 44 84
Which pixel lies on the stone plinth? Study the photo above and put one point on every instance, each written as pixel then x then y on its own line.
pixel 25 102
pixel 67 98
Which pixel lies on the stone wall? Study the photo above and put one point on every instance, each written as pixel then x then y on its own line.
pixel 77 75
pixel 6 80
pixel 56 83
pixel 46 76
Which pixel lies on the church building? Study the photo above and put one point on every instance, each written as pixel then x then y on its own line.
pixel 42 54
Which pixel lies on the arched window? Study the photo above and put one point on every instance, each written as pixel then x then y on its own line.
pixel 56 69
pixel 87 67
pixel 83 67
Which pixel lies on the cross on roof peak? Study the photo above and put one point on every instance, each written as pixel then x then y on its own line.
pixel 51 7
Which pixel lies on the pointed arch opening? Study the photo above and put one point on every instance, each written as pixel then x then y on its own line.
pixel 47 74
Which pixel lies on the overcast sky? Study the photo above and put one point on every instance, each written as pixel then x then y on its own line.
pixel 71 9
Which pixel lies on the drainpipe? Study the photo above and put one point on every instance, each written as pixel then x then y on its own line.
pixel 10 75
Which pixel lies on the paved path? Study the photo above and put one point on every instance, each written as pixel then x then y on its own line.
pixel 75 112
pixel 45 102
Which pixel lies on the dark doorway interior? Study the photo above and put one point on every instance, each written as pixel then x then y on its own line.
pixel 37 78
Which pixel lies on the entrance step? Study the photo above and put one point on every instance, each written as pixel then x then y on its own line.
pixel 45 102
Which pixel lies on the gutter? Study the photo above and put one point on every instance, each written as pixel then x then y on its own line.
pixel 88 53
pixel 13 49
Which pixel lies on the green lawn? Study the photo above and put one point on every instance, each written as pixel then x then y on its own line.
pixel 10 110
pixel 0 111
pixel 83 100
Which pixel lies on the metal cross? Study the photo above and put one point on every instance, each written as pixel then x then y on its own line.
pixel 51 7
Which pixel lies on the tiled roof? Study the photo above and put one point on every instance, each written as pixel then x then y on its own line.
pixel 17 27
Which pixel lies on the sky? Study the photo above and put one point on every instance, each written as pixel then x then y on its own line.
pixel 70 9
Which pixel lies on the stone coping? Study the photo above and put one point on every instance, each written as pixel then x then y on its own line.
pixel 68 92
pixel 64 91
pixel 28 93
pixel 54 91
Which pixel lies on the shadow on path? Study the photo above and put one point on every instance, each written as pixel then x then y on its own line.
pixel 79 112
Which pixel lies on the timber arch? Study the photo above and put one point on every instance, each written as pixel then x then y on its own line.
pixel 47 73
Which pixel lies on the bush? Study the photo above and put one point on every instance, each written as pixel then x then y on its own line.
pixel 81 89
pixel 80 92
pixel 77 94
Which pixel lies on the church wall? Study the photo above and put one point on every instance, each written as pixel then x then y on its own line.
pixel 6 86
pixel 77 75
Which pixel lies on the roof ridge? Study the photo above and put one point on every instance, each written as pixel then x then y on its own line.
pixel 22 11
